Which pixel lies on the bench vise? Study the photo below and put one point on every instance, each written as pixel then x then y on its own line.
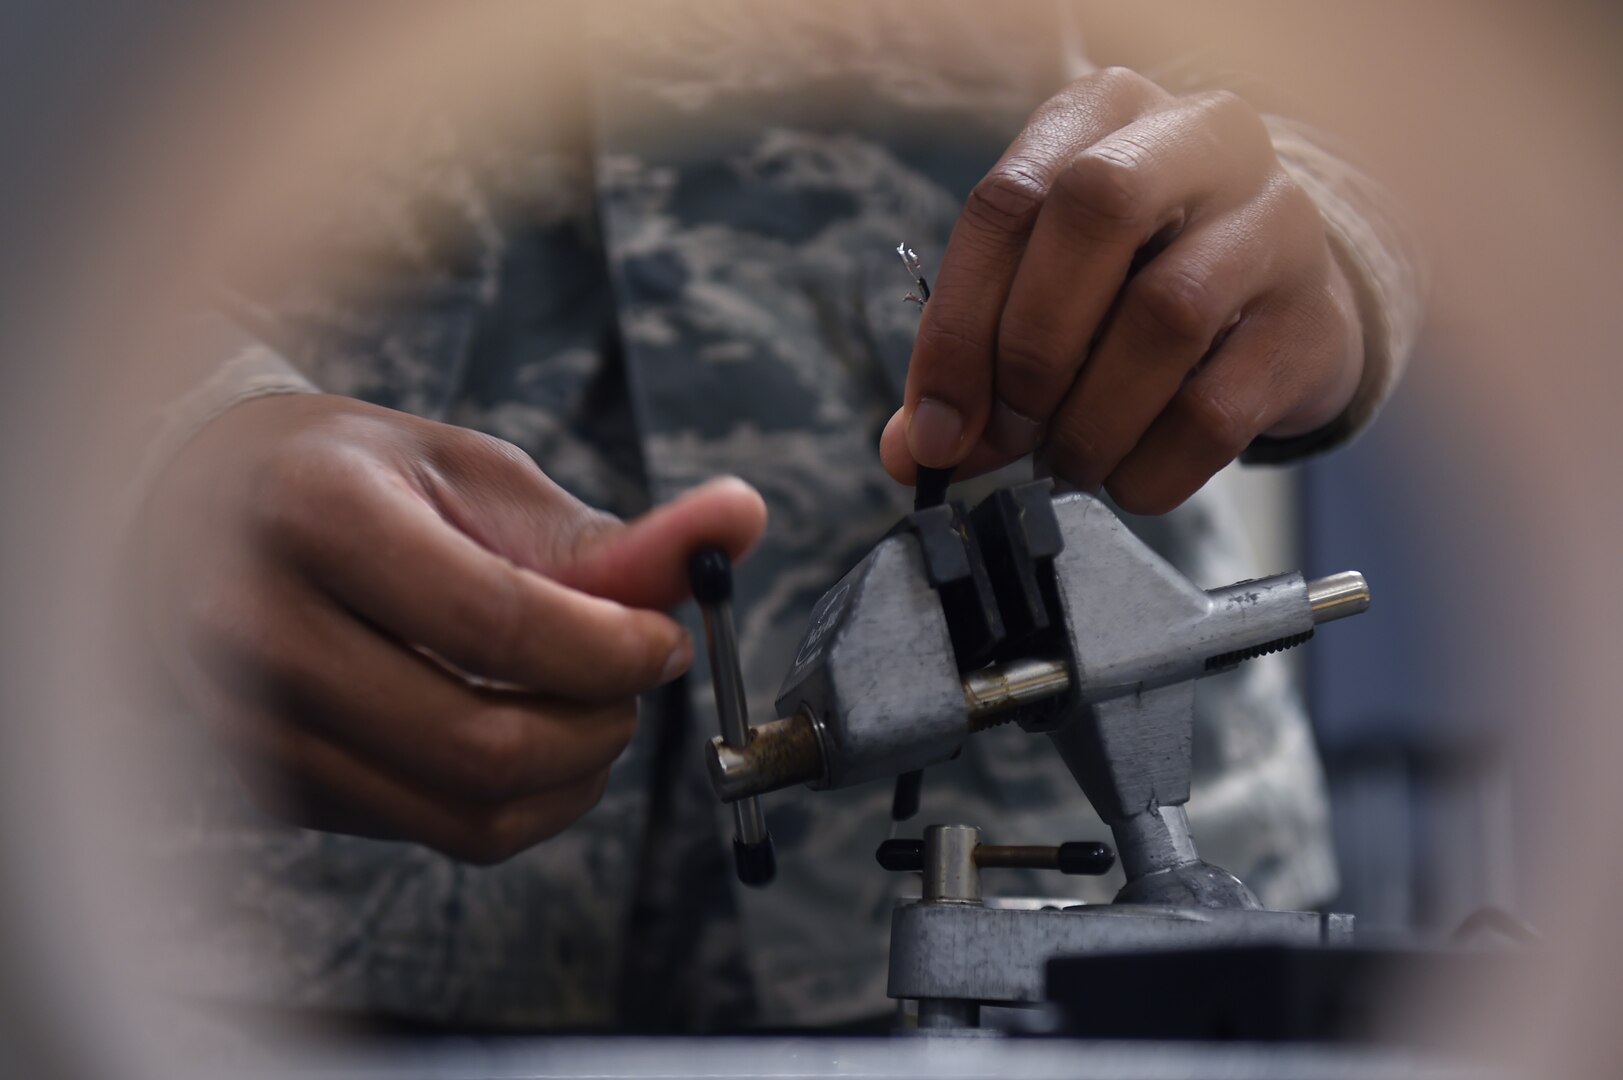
pixel 1049 613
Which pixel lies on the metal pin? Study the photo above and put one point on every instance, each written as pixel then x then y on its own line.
pixel 1338 596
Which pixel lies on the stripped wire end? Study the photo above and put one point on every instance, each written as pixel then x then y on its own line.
pixel 911 261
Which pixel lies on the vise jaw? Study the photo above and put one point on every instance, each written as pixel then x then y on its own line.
pixel 1048 612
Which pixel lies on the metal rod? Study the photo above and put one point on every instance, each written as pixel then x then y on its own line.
pixel 727 677
pixel 785 752
pixel 1017 857
pixel 780 753
pixel 1338 596
pixel 1002 687
pixel 1075 857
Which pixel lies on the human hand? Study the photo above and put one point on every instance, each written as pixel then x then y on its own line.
pixel 1135 292
pixel 404 629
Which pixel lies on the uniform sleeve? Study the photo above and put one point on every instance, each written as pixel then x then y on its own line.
pixel 245 369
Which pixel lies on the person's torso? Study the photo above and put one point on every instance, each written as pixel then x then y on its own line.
pixel 702 280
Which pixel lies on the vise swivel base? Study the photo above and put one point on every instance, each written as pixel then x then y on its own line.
pixel 953 951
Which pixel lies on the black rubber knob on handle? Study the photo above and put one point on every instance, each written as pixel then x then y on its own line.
pixel 757 864
pixel 710 573
pixel 930 487
pixel 1085 857
pixel 904 799
pixel 900 856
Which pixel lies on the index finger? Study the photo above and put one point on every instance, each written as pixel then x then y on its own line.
pixel 949 377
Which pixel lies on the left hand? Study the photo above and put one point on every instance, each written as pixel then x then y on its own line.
pixel 1136 291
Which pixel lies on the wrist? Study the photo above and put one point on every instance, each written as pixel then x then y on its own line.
pixel 255 371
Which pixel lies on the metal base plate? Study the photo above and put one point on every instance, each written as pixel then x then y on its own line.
pixel 1000 954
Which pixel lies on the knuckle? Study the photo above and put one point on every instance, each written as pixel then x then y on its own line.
pixel 232 637
pixel 621 722
pixel 1102 185
pixel 1291 201
pixel 592 792
pixel 1178 304
pixel 1124 82
pixel 298 493
pixel 491 751
pixel 1219 423
pixel 488 623
pixel 518 826
pixel 576 528
pixel 1329 319
pixel 1233 119
pixel 1006 200
pixel 1142 497
pixel 654 654
pixel 1223 105
pixel 502 450
pixel 948 336
pixel 487 837
pixel 1075 442
pixel 1028 356
pixel 464 448
pixel 486 840
pixel 637 659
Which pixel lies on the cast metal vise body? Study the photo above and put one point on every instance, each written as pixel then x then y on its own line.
pixel 1048 612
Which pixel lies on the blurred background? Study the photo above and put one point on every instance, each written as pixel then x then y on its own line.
pixel 1468 722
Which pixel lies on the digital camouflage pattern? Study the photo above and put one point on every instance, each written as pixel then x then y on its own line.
pixel 701 280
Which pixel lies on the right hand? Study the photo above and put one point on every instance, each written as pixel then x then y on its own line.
pixel 404 629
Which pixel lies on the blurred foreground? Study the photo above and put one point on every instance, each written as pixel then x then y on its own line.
pixel 144 147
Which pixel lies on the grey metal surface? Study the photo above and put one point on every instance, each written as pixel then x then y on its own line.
pixel 1132 757
pixel 951 874
pixel 1160 840
pixel 875 677
pixel 1141 634
pixel 949 1015
pixel 1136 624
pixel 1192 884
pixel 876 668
pixel 785 1057
pixel 998 955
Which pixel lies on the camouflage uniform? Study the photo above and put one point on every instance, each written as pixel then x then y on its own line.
pixel 702 281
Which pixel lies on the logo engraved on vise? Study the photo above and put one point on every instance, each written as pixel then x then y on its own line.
pixel 824 619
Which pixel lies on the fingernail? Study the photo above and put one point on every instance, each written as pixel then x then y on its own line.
pixel 678 661
pixel 1011 431
pixel 935 433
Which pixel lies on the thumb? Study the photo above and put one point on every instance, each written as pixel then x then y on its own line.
pixel 493 492
pixel 643 562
